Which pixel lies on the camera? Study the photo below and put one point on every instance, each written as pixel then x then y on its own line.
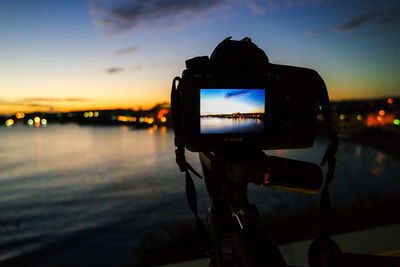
pixel 236 99
pixel 229 107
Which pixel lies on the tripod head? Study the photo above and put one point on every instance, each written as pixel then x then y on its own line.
pixel 232 220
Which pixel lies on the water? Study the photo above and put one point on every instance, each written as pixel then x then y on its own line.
pixel 88 194
pixel 212 125
pixel 60 181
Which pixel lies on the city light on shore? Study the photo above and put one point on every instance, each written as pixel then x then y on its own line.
pixel 9 122
pixel 20 115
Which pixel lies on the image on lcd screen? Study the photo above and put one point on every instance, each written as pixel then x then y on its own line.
pixel 225 111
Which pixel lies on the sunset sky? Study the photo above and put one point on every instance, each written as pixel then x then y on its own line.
pixel 76 54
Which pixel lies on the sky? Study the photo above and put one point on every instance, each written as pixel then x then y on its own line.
pixel 229 101
pixel 95 54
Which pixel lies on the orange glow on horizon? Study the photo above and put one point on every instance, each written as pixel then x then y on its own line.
pixel 48 106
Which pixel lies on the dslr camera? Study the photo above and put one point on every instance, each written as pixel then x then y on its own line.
pixel 236 99
pixel 229 107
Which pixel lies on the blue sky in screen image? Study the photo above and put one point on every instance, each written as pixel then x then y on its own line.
pixel 228 101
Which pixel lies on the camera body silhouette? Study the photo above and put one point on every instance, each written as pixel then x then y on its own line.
pixel 236 99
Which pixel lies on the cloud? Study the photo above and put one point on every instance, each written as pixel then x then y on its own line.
pixel 127 51
pixel 356 22
pixel 119 16
pixel 236 93
pixel 114 70
pixel 256 7
pixel 23 104
pixel 122 16
pixel 48 99
pixel 40 102
pixel 382 17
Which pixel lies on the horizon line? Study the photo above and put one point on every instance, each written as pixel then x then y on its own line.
pixel 139 108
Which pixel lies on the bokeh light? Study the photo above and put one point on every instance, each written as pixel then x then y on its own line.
pixel 9 122
pixel 20 115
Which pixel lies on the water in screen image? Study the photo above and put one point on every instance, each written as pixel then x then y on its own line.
pixel 225 111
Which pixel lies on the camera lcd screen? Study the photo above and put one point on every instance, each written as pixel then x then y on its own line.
pixel 224 111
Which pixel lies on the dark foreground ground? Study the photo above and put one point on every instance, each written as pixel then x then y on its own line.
pixel 171 245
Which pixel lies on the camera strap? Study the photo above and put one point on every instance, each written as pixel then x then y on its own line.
pixel 328 158
pixel 323 247
pixel 184 166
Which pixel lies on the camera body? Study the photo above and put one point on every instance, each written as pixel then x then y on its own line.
pixel 238 100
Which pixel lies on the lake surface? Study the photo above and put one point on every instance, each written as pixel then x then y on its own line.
pixel 212 125
pixel 91 193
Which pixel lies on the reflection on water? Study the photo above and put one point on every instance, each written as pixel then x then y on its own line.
pixel 380 157
pixel 108 186
pixel 212 125
pixel 358 151
pixel 61 180
pixel 378 169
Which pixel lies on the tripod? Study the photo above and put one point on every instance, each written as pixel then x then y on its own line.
pixel 235 236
